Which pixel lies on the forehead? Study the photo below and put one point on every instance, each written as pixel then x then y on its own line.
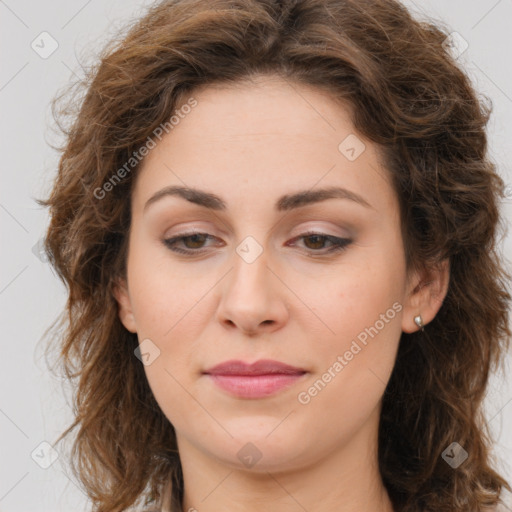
pixel 268 137
pixel 267 107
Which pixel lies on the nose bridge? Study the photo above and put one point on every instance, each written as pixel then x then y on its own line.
pixel 251 297
pixel 249 280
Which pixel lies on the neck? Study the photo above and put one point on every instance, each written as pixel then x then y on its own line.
pixel 346 480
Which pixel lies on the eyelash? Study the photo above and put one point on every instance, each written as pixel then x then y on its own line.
pixel 339 244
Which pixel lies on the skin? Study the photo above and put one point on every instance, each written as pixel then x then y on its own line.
pixel 271 138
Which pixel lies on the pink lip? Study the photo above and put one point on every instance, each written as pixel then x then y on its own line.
pixel 257 380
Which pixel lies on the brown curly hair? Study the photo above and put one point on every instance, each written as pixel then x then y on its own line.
pixel 411 98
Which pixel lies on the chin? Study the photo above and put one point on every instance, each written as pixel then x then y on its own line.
pixel 259 444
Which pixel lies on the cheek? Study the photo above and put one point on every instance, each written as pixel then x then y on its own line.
pixel 362 308
pixel 358 298
pixel 168 310
pixel 163 296
pixel 353 365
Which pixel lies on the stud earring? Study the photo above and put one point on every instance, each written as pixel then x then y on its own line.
pixel 419 322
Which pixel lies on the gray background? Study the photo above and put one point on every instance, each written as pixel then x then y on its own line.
pixel 33 405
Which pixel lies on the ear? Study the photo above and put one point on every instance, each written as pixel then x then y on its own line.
pixel 426 292
pixel 125 307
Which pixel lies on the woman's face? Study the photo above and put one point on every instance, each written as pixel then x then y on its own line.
pixel 258 287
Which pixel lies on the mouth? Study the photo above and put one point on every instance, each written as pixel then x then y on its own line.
pixel 257 380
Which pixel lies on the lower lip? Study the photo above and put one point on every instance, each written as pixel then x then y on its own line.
pixel 255 386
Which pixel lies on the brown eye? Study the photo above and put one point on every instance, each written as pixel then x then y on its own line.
pixel 196 240
pixel 193 242
pixel 316 242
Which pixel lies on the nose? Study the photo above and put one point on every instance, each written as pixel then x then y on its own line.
pixel 253 298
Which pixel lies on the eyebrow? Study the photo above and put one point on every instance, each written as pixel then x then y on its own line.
pixel 284 203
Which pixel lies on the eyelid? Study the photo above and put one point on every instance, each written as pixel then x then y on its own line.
pixel 301 232
pixel 332 229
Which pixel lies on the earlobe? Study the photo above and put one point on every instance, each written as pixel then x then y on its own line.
pixel 120 290
pixel 426 294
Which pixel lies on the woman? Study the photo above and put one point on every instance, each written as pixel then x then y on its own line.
pixel 278 222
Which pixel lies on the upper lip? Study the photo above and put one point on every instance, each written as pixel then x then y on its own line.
pixel 261 367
